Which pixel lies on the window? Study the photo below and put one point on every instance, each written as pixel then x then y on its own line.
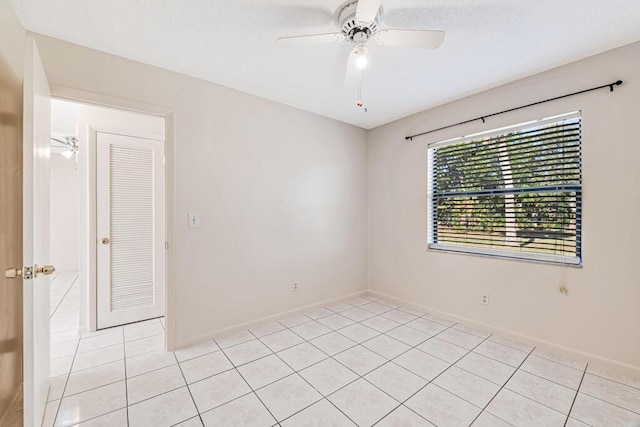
pixel 514 192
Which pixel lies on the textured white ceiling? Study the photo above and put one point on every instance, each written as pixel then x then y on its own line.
pixel 232 42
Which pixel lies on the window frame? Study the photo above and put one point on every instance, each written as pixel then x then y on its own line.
pixel 575 261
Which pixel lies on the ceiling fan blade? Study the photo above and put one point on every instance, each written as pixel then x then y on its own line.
pixel 352 76
pixel 310 40
pixel 426 39
pixel 367 10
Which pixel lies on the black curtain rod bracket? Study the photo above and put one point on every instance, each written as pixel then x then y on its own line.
pixel 483 118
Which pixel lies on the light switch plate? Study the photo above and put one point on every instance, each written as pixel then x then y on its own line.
pixel 194 220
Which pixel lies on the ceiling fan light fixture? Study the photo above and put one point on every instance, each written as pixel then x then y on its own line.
pixel 360 51
pixel 361 62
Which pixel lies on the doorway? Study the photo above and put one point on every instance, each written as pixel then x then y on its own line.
pixel 110 226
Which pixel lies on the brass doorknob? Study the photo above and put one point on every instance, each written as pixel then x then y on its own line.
pixel 105 240
pixel 45 269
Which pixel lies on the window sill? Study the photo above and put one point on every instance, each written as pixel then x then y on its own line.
pixel 508 255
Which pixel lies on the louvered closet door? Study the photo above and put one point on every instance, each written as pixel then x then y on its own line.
pixel 130 229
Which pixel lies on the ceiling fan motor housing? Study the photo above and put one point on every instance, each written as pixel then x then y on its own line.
pixel 353 30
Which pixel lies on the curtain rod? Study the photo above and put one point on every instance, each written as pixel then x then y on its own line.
pixel 610 86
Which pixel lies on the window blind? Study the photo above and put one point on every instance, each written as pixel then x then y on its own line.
pixel 513 192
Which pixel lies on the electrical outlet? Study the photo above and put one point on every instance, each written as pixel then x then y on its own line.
pixel 484 299
pixel 296 287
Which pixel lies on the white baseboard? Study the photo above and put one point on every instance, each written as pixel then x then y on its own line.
pixel 246 325
pixel 557 348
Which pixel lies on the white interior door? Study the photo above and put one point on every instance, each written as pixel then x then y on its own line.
pixel 130 229
pixel 37 118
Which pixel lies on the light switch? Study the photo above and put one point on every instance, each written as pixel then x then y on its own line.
pixel 194 220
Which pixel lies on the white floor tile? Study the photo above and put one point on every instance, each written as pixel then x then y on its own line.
pixel 295 320
pixel 247 352
pixel 612 392
pixel 521 411
pixel 442 408
pixel 328 376
pixel 301 356
pixel 112 419
pixel 264 371
pixel 56 387
pixel 91 404
pixel 288 396
pixel 247 411
pixel 50 412
pixel 363 403
pixel 408 335
pixel 191 422
pixel 339 307
pixel 319 414
pixel 154 383
pixel 205 366
pixel 61 366
pixel 485 419
pixel 358 332
pixel 443 350
pixel 421 363
pixel 164 410
pixel 318 313
pixel 487 368
pixel 217 390
pixel 543 391
pixel 100 341
pixel 426 326
pixel 281 340
pixel 399 316
pixel 360 359
pixel 267 329
pixel 396 381
pixel 149 362
pixel 234 339
pixel 357 314
pixel 333 343
pixel 625 378
pixel 404 416
pixel 596 412
pixel 200 349
pixel 460 338
pixel 467 386
pixel 94 358
pixel 385 346
pixel 310 330
pixel 376 308
pixel 95 377
pixel 553 371
pixel 141 330
pixel 560 358
pixel 144 345
pixel 501 353
pixel 336 321
pixel 380 324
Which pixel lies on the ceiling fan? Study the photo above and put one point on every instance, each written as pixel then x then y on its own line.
pixel 358 21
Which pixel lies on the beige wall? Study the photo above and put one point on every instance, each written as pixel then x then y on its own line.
pixel 600 315
pixel 11 45
pixel 64 213
pixel 281 192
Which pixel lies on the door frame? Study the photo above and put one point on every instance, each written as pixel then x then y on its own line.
pixel 88 245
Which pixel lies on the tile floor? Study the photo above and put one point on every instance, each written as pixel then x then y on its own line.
pixel 360 362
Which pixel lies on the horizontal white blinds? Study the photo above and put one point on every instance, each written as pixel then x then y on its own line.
pixel 131 223
pixel 518 190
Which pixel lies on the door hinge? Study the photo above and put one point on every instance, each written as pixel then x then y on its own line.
pixel 166 245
